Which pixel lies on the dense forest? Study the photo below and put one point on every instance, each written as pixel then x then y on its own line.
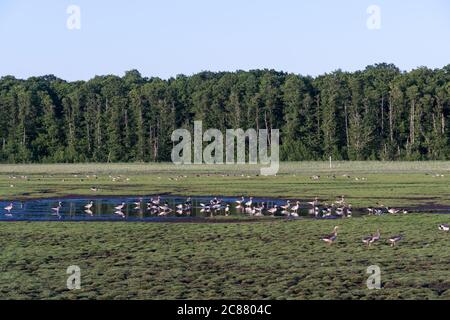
pixel 379 113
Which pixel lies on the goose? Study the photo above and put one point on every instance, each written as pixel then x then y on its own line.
pixel 349 212
pixel 205 208
pixel 240 202
pixel 287 205
pixel 370 210
pixel 392 210
pixel 9 207
pixel 378 212
pixel 315 211
pixel 444 227
pixel 341 201
pixel 256 212
pixel 296 207
pixel 394 239
pixel 273 210
pixel 58 207
pixel 89 212
pixel 249 202
pixel 89 205
pixel 157 201
pixel 372 238
pixel 260 208
pixel 340 211
pixel 326 212
pixel 94 189
pixel 152 207
pixel 120 206
pixel 314 203
pixel 165 208
pixel 227 210
pixel 331 238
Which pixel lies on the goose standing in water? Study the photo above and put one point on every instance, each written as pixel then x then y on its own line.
pixel 57 207
pixel 372 238
pixel 331 238
pixel 155 202
pixel 296 207
pixel 227 210
pixel 444 227
pixel 349 212
pixel 273 210
pixel 9 208
pixel 249 202
pixel 286 206
pixel 393 240
pixel 341 201
pixel 239 203
pixel 261 208
pixel 205 208
pixel 89 205
pixel 314 203
pixel 392 210
pixel 120 206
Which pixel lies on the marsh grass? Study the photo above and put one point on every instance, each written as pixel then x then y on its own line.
pixel 388 183
pixel 263 260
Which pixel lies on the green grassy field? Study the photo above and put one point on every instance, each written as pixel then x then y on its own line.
pixel 262 260
pixel 256 260
pixel 369 183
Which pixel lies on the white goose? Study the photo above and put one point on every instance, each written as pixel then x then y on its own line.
pixel 58 207
pixel 444 227
pixel 286 206
pixel 314 203
pixel 273 210
pixel 392 210
pixel 249 202
pixel 120 206
pixel 89 205
pixel 227 210
pixel 9 207
pixel 295 208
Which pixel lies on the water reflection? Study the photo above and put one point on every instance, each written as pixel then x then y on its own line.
pixel 157 208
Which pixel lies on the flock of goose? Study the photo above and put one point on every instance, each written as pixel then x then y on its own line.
pixel 339 208
pixel 369 240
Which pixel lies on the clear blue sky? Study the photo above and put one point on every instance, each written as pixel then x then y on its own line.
pixel 168 37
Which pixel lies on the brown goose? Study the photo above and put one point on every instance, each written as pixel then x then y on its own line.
pixel 394 239
pixel 372 238
pixel 331 238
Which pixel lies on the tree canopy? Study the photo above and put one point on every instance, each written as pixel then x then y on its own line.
pixel 380 113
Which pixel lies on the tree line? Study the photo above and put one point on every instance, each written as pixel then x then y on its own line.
pixel 380 113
